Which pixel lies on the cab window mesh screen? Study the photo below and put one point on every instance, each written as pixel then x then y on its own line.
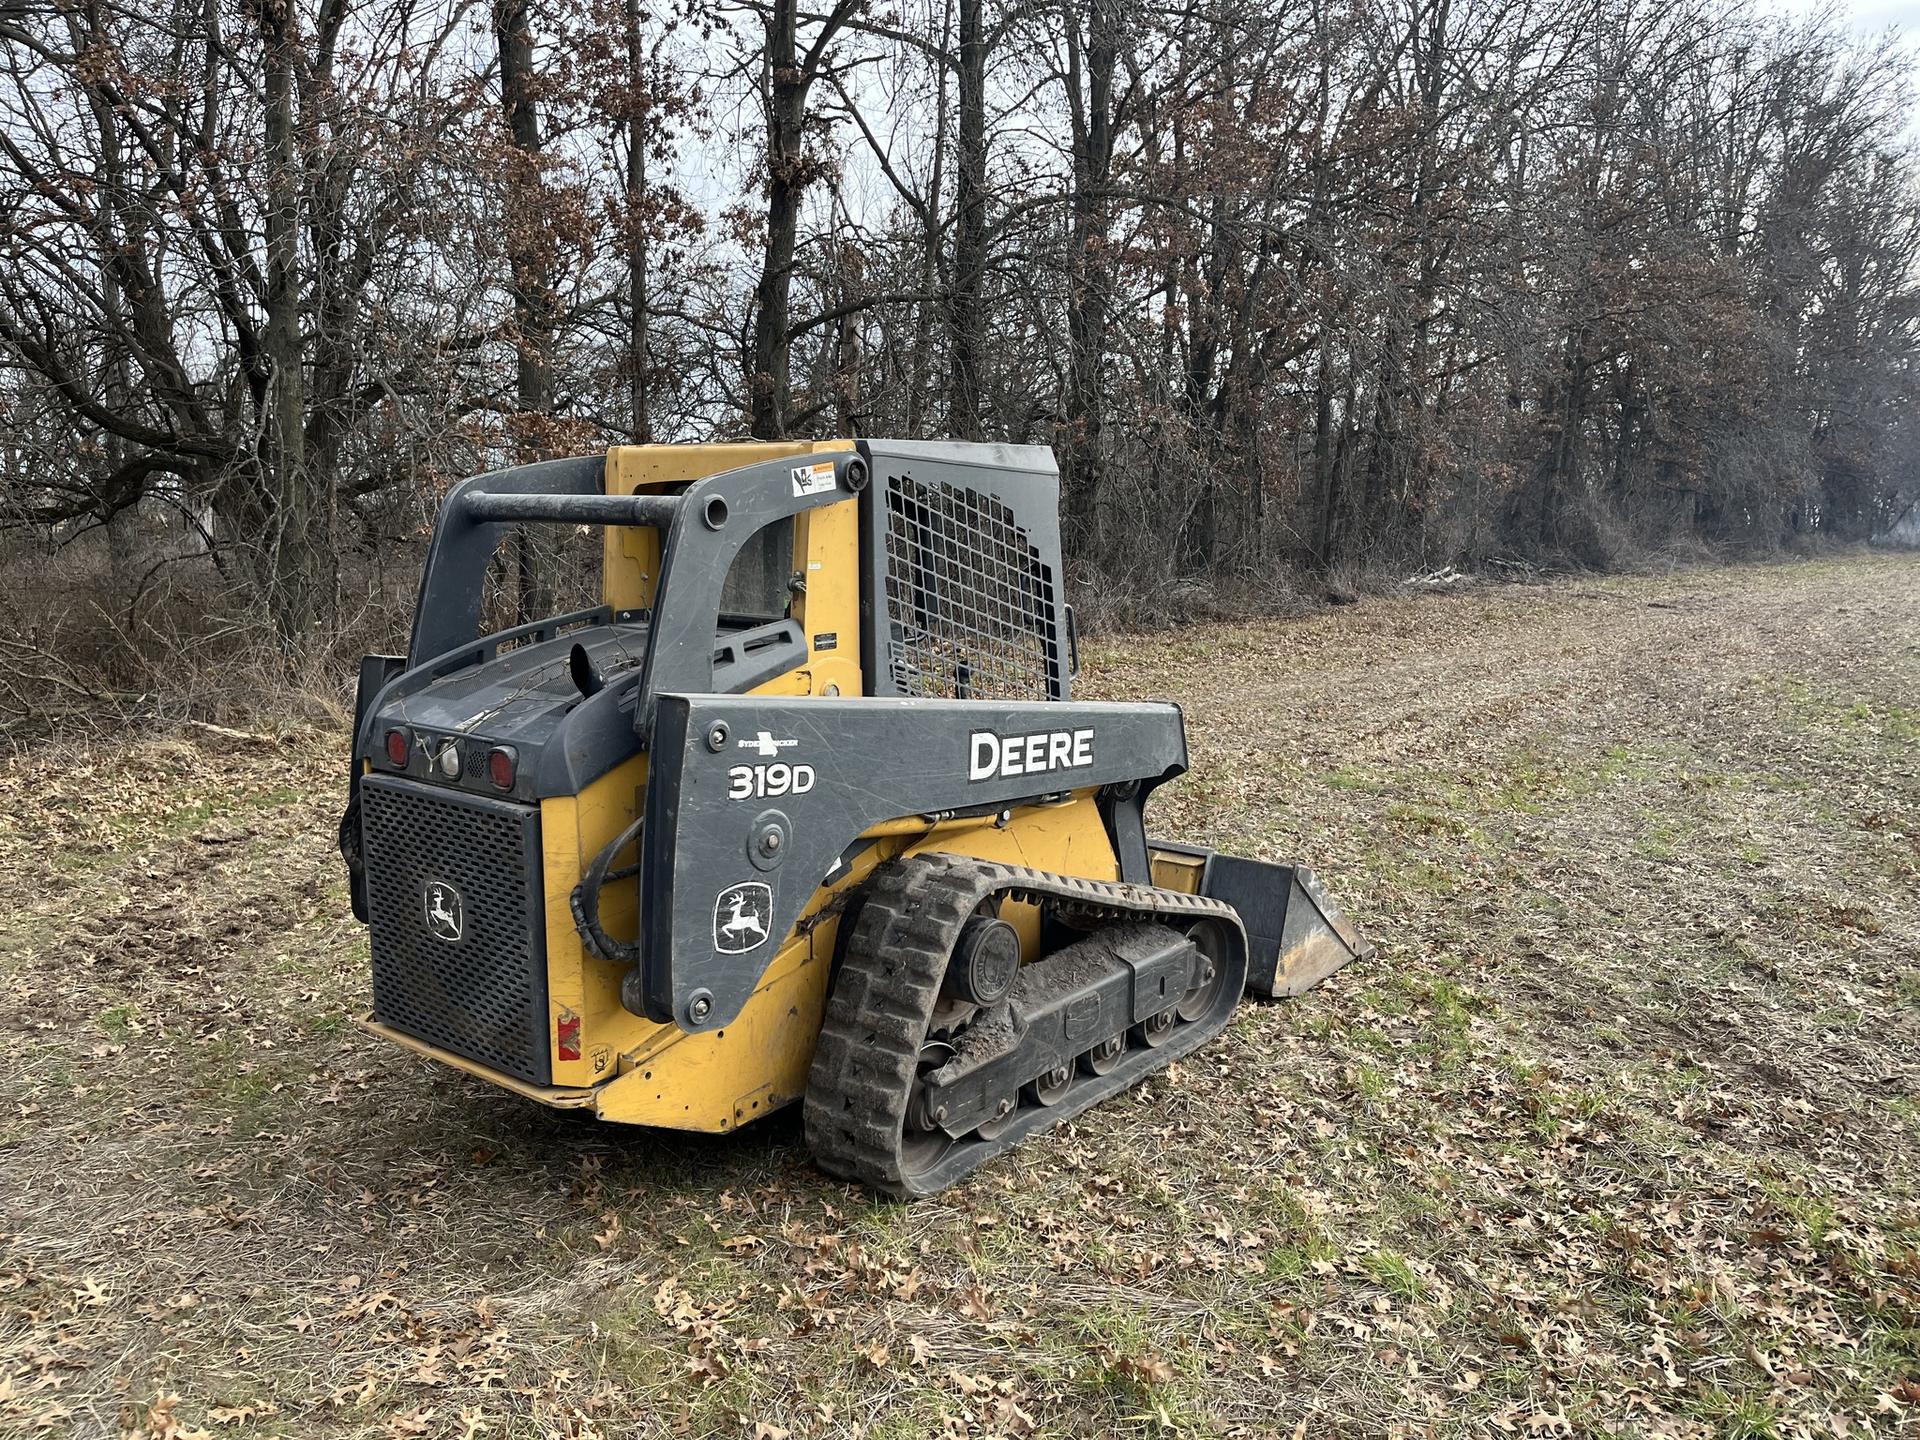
pixel 969 601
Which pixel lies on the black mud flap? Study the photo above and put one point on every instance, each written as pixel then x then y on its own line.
pixel 1296 935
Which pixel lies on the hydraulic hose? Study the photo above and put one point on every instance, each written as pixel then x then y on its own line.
pixel 585 900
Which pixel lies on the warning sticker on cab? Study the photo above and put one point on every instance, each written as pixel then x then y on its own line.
pixel 815 479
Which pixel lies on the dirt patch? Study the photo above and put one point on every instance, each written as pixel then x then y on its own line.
pixel 1614 1136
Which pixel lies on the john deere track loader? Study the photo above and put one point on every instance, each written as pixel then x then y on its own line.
pixel 803 812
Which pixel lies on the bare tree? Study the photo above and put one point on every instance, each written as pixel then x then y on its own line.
pixel 791 64
pixel 1286 287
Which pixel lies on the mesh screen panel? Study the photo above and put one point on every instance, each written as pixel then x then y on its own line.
pixel 483 996
pixel 969 600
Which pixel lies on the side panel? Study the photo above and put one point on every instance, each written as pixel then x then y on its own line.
pixel 827 542
pixel 723 1078
pixel 754 802
pixel 587 1027
pixel 756 1063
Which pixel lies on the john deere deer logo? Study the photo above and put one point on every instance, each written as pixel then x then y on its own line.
pixel 740 915
pixel 446 915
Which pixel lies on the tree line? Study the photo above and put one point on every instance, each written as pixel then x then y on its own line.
pixel 1286 286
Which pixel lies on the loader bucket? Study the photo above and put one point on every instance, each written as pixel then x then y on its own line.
pixel 1296 935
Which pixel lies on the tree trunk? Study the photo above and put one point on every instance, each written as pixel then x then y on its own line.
pixel 526 248
pixel 292 548
pixel 639 363
pixel 1326 498
pixel 927 314
pixel 529 263
pixel 768 383
pixel 121 522
pixel 1090 267
pixel 967 338
pixel 1326 527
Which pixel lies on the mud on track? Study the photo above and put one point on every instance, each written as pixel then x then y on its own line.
pixel 1616 1135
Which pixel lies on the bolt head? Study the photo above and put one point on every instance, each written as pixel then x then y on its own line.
pixel 770 842
pixel 700 1008
pixel 717 736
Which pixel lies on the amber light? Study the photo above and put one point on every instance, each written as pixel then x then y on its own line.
pixel 500 768
pixel 398 748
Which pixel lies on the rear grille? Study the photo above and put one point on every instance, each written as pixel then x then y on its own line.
pixel 970 600
pixel 438 862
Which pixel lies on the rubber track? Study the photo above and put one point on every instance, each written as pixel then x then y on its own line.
pixel 867 1059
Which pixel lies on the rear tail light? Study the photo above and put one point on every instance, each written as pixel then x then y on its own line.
pixel 398 748
pixel 500 767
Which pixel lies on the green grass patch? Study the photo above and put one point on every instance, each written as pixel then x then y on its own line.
pixel 1395 1274
pixel 1812 1212
pixel 117 1022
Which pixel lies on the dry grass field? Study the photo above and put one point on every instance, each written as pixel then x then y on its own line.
pixel 1616 1135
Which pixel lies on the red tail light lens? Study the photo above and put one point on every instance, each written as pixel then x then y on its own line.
pixel 398 747
pixel 500 767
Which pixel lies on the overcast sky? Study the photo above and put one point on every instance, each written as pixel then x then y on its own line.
pixel 1868 16
pixel 1878 14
